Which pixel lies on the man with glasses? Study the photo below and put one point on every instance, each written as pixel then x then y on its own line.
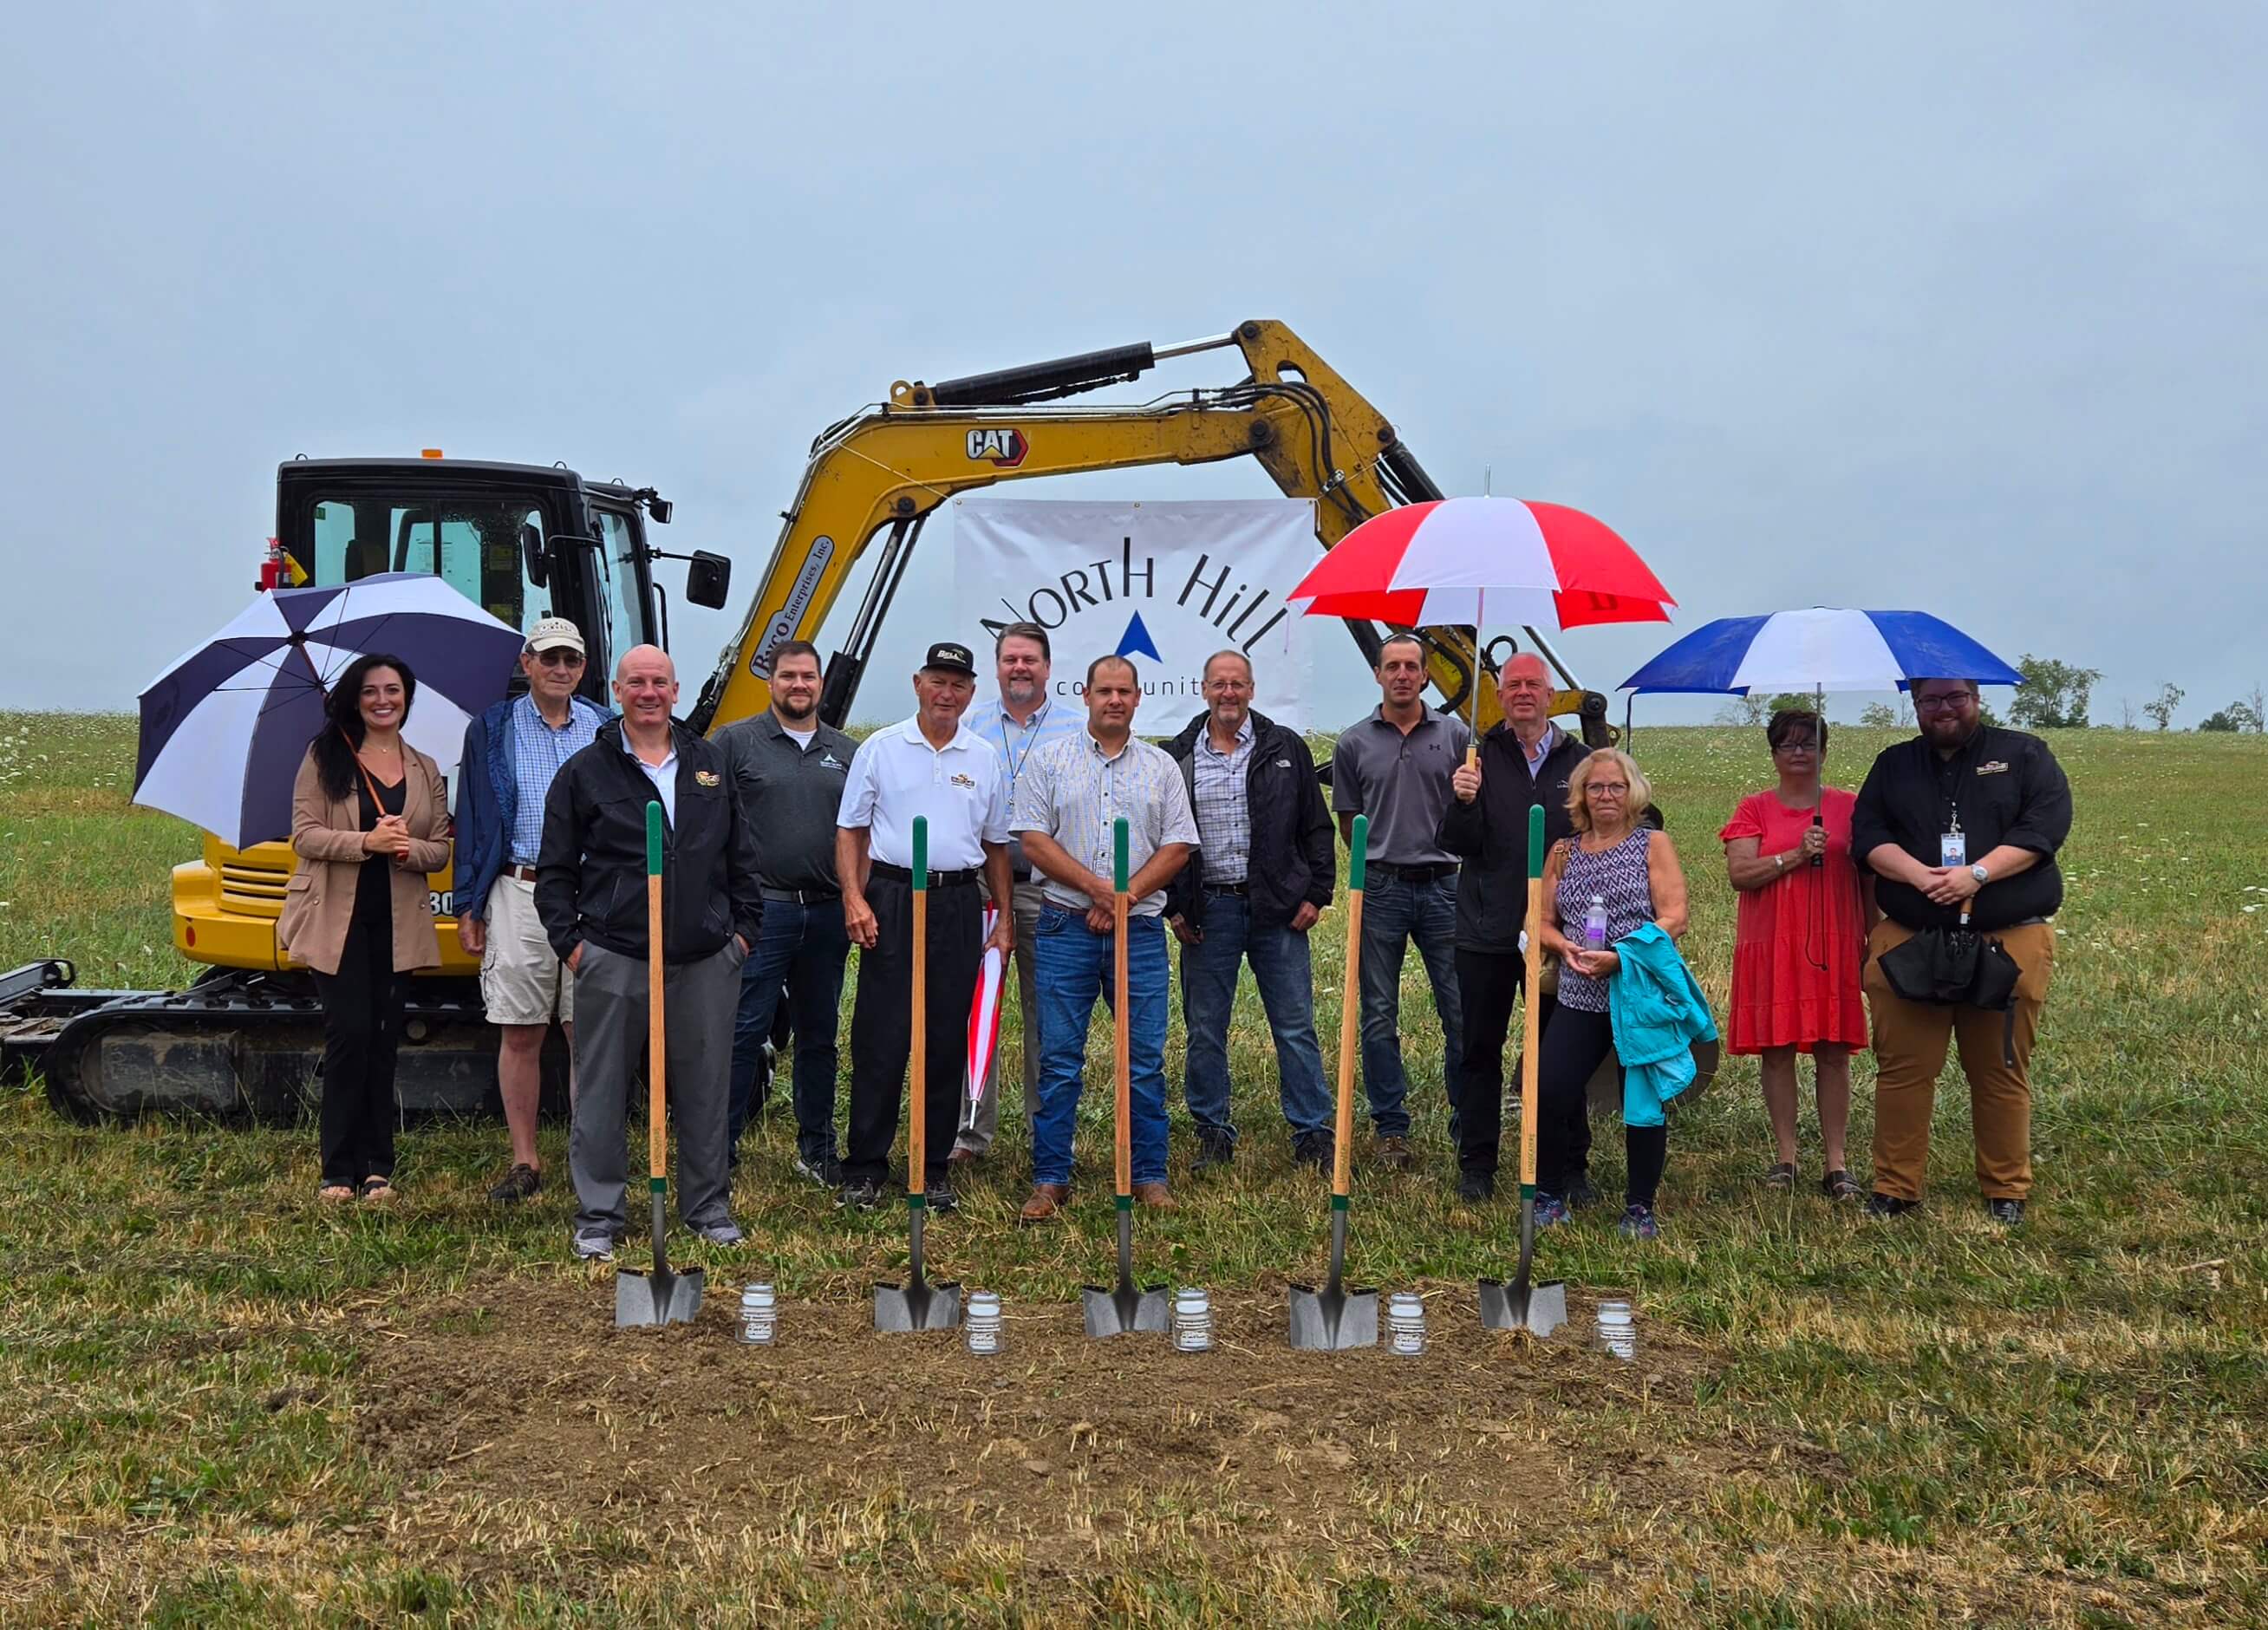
pixel 1525 761
pixel 1394 766
pixel 512 752
pixel 1959 826
pixel 1023 718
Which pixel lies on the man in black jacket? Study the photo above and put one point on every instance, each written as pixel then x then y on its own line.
pixel 1959 826
pixel 591 894
pixel 1524 760
pixel 1262 874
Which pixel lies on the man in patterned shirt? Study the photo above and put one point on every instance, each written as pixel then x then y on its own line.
pixel 1068 800
pixel 512 752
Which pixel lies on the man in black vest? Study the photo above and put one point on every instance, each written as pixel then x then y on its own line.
pixel 1525 760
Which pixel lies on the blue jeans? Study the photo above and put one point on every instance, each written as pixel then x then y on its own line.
pixel 1395 912
pixel 1072 965
pixel 1283 970
pixel 801 949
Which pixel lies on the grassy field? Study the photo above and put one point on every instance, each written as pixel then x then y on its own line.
pixel 219 1404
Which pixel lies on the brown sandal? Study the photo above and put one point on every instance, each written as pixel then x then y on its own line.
pixel 377 1191
pixel 1840 1185
pixel 333 1193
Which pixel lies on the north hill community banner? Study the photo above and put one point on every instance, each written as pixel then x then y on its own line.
pixel 1166 584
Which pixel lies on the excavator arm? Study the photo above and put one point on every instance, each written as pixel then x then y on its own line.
pixel 881 474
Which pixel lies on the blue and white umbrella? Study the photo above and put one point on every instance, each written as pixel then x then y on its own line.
pixel 1819 650
pixel 224 727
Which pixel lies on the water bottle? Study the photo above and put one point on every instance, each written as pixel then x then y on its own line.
pixel 759 1315
pixel 983 1324
pixel 1405 1323
pixel 1594 925
pixel 1192 1320
pixel 1618 1330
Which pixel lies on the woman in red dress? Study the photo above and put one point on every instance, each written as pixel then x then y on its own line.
pixel 1805 912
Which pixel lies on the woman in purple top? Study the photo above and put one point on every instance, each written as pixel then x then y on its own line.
pixel 1633 872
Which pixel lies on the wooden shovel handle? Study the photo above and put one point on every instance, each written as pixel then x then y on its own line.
pixel 657 1041
pixel 1121 1064
pixel 1531 1039
pixel 1350 1043
pixel 917 1096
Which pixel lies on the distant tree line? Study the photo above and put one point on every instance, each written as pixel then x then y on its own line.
pixel 2055 696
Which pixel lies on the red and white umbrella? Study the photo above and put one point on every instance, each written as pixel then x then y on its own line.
pixel 983 1020
pixel 1463 560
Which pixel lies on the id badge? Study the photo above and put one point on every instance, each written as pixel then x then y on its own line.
pixel 1952 849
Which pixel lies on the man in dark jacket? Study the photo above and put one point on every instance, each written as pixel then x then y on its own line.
pixel 1262 874
pixel 591 893
pixel 1960 825
pixel 1524 760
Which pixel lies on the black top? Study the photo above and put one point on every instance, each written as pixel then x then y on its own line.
pixel 590 876
pixel 2005 787
pixel 790 795
pixel 373 905
pixel 1491 835
pixel 1290 859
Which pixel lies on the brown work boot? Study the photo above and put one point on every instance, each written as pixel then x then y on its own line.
pixel 1046 1204
pixel 1392 1153
pixel 1154 1196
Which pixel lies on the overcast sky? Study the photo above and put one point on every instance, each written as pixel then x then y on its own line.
pixel 1961 307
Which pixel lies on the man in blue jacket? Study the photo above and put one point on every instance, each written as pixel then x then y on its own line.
pixel 512 752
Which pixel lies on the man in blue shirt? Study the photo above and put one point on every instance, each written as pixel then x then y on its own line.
pixel 512 752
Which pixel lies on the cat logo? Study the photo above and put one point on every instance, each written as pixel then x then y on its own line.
pixel 1006 446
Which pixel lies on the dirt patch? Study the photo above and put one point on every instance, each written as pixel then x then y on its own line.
pixel 526 1393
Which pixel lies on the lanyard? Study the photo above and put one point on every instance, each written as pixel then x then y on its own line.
pixel 1031 728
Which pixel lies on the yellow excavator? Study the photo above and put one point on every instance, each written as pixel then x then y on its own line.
pixel 528 540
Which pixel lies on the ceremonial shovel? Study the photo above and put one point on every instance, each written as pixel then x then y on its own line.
pixel 1128 1307
pixel 1334 1317
pixel 917 1304
pixel 661 1297
pixel 1540 1309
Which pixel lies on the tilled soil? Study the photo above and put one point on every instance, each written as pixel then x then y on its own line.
pixel 526 1391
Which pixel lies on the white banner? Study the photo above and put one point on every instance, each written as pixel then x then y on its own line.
pixel 1166 584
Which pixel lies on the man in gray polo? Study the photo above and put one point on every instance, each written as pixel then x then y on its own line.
pixel 790 768
pixel 1395 767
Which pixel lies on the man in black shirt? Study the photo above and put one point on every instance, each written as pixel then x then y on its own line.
pixel 1960 825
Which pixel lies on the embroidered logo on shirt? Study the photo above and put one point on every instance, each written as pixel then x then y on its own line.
pixel 1996 767
pixel 959 779
pixel 829 762
pixel 705 778
pixel 1283 764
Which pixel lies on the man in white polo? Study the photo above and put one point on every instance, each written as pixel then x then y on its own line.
pixel 512 752
pixel 930 765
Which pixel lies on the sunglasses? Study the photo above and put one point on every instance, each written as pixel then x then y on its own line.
pixel 560 656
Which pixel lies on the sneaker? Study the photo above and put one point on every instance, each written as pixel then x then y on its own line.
pixel 1392 1153
pixel 1637 1223
pixel 1314 1149
pixel 594 1247
pixel 521 1182
pixel 939 1196
pixel 861 1194
pixel 1215 1147
pixel 2007 1213
pixel 1475 1187
pixel 1580 1195
pixel 1883 1206
pixel 720 1233
pixel 823 1170
pixel 1550 1210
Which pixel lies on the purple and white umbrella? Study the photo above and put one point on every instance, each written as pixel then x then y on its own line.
pixel 224 727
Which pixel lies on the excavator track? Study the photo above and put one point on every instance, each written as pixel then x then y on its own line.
pixel 237 1045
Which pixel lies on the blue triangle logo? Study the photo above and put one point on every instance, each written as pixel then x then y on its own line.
pixel 1136 641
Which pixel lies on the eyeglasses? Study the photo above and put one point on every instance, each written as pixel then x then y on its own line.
pixel 1944 703
pixel 560 656
pixel 1617 788
pixel 1797 746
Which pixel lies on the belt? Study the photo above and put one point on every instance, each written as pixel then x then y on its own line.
pixel 1414 874
pixel 525 873
pixel 1235 889
pixel 803 896
pixel 964 879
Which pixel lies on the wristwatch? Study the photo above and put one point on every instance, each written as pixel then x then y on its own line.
pixel 1980 874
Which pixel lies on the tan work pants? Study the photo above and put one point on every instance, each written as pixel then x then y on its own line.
pixel 1910 1045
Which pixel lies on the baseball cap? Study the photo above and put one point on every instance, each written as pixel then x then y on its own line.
pixel 549 631
pixel 953 659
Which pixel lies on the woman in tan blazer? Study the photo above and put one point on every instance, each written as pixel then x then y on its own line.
pixel 369 820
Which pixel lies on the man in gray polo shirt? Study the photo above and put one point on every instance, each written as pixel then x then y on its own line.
pixel 790 768
pixel 1395 767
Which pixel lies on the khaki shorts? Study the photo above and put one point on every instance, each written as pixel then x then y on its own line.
pixel 522 981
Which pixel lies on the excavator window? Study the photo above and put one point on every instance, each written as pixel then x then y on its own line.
pixel 618 571
pixel 473 545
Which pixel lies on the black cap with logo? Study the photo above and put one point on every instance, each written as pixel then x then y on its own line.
pixel 952 658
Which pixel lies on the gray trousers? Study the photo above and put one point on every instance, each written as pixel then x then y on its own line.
pixel 980 1127
pixel 699 999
